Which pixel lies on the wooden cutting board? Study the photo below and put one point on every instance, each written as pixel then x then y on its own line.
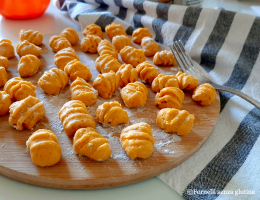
pixel 78 172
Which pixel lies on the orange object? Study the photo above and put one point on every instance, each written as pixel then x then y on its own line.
pixel 23 9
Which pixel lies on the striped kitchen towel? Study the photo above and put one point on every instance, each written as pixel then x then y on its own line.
pixel 227 45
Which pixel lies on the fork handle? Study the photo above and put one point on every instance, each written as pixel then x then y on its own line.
pixel 236 92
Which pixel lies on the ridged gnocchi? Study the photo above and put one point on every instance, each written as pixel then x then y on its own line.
pixel 169 97
pixel 104 47
pixel 134 95
pixel 149 46
pixel 19 89
pixel 83 91
pixel 31 36
pixel 3 76
pixel 28 65
pixel 105 63
pixel 53 81
pixel 174 120
pixel 139 34
pixel 93 29
pixel 137 140
pixel 24 48
pixel 71 35
pixel 120 41
pixel 58 43
pixel 6 48
pixel 88 142
pixel 44 148
pixel 111 113
pixel 64 56
pixel 186 82
pixel 147 72
pixel 113 30
pixel 90 43
pixel 162 81
pixel 26 113
pixel 204 94
pixel 74 115
pixel 133 56
pixel 164 58
pixel 5 102
pixel 127 74
pixel 76 69
pixel 106 84
pixel 4 62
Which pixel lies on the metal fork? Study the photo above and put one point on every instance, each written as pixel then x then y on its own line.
pixel 187 65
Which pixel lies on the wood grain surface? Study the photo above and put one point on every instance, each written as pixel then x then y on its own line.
pixel 78 172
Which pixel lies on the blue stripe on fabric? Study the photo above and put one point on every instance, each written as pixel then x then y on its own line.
pixel 122 10
pixel 138 5
pixel 63 6
pixel 130 30
pixel 217 174
pixel 247 58
pixel 101 2
pixel 72 6
pixel 216 40
pixel 245 63
pixel 104 20
pixel 101 8
pixel 162 16
pixel 189 23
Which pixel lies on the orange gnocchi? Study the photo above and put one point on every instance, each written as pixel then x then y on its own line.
pixel 134 95
pixel 26 113
pixel 137 140
pixel 147 72
pixel 164 58
pixel 162 81
pixel 133 56
pixel 113 30
pixel 93 29
pixel 90 43
pixel 88 142
pixel 83 91
pixel 127 74
pixel 106 84
pixel 31 36
pixel 24 48
pixel 169 97
pixel 139 34
pixel 204 94
pixel 71 35
pixel 105 63
pixel 149 46
pixel 104 47
pixel 64 56
pixel 6 48
pixel 58 43
pixel 74 115
pixel 120 41
pixel 111 113
pixel 174 120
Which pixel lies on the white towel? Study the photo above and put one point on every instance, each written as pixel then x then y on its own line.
pixel 227 45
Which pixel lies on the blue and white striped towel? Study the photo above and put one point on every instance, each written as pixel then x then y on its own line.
pixel 227 45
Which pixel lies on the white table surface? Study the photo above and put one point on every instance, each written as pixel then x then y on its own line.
pixel 53 21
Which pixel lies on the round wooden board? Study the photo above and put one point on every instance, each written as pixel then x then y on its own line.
pixel 78 172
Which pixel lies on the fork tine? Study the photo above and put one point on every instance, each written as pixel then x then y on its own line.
pixel 174 51
pixel 184 64
pixel 194 67
pixel 186 56
pixel 182 56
